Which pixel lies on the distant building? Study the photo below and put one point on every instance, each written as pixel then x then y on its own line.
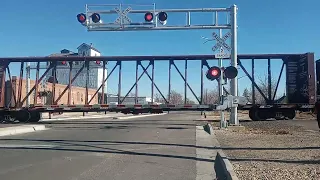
pixel 95 72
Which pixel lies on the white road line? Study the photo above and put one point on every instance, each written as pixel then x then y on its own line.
pixel 26 146
pixel 205 170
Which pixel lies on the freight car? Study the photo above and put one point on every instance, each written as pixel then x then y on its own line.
pixel 302 80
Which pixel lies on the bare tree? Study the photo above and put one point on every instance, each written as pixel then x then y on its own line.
pixel 262 83
pixel 189 101
pixel 132 94
pixel 210 96
pixel 175 98
pixel 158 98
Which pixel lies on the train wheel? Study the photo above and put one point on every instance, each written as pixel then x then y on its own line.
pixel 35 116
pixel 253 114
pixel 290 113
pixel 22 116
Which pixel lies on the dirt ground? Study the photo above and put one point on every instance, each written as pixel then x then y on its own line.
pixel 244 116
pixel 272 149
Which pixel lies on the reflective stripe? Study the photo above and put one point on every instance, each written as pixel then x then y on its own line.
pixel 121 106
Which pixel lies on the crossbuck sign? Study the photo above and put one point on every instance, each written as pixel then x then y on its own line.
pixel 221 42
pixel 123 15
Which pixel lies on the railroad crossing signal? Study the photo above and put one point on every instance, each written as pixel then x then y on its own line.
pixel 221 42
pixel 228 73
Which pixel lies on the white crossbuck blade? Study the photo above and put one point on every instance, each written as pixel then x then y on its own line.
pixel 232 101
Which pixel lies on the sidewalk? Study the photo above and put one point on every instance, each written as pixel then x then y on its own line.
pixel 12 129
pixel 79 115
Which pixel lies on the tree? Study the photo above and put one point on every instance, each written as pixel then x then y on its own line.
pixel 175 98
pixel 189 101
pixel 262 83
pixel 210 96
pixel 246 93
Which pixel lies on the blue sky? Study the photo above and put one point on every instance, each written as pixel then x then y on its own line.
pixel 39 28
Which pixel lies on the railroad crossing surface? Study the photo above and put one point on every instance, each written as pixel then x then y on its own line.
pixel 155 147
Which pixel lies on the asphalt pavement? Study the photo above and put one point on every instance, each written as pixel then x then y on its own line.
pixel 158 147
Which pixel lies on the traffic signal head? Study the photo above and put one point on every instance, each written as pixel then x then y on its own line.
pixel 162 16
pixel 230 72
pixel 148 17
pixel 81 18
pixel 95 17
pixel 213 73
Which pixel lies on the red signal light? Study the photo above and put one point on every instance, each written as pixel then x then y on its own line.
pixel 81 18
pixel 63 62
pixel 213 73
pixel 148 17
pixel 98 62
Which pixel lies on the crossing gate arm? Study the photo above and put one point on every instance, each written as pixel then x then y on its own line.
pixel 109 107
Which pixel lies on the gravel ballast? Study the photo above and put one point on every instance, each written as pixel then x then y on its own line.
pixel 272 150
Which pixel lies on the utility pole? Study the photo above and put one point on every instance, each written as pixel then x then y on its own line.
pixel 234 62
pixel 222 119
pixel 28 83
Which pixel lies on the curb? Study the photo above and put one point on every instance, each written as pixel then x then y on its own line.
pixel 21 129
pixel 208 128
pixel 138 116
pixel 223 165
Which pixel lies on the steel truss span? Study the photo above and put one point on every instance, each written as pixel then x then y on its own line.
pixel 297 100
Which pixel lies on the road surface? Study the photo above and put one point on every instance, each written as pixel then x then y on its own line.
pixel 159 147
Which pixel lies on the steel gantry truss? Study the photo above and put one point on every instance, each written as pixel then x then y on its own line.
pixel 93 20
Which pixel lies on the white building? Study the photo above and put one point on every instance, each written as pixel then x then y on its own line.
pixel 95 70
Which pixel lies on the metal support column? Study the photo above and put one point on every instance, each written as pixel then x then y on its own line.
pixel 169 89
pixel 234 55
pixel 152 82
pixel 269 81
pixel 185 81
pixel 119 82
pixel 37 84
pixel 86 98
pixel 70 83
pixel 252 84
pixel 103 82
pixel 201 88
pixel 223 123
pixel 28 83
pixel 136 91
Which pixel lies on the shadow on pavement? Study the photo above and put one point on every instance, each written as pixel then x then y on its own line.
pixel 98 149
pixel 162 144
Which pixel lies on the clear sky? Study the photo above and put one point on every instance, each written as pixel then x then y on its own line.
pixel 39 28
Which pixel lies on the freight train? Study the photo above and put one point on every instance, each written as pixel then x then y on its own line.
pixel 302 80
